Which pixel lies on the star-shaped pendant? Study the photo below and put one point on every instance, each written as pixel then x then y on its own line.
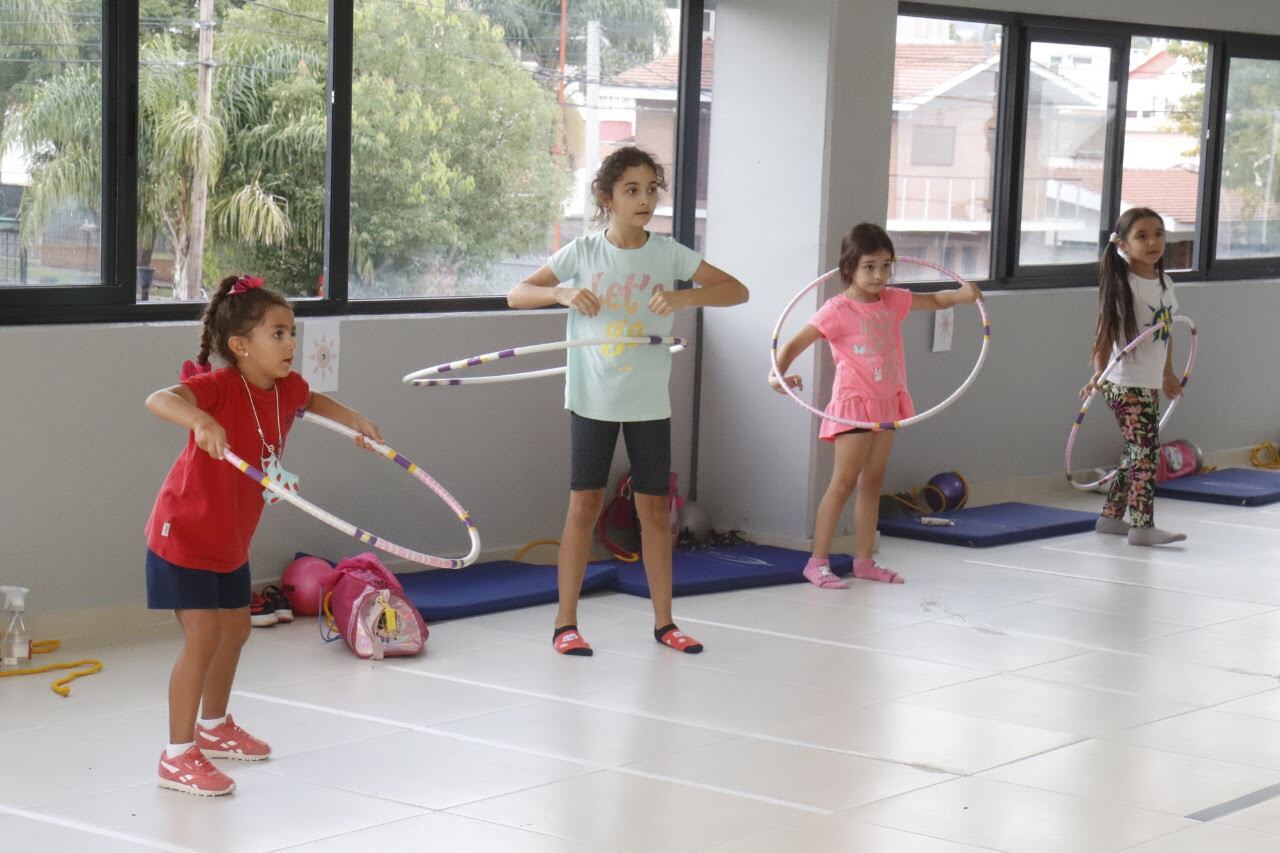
pixel 272 468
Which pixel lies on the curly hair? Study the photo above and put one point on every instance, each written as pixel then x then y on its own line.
pixel 611 170
pixel 226 317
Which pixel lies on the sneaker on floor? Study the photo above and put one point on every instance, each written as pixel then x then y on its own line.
pixel 193 773
pixel 227 740
pixel 262 613
pixel 278 600
pixel 568 640
pixel 673 638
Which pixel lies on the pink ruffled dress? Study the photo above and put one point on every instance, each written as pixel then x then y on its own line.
pixel 871 371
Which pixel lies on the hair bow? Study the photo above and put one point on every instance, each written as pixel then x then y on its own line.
pixel 191 368
pixel 245 283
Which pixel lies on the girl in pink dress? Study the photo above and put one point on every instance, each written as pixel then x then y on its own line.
pixel 863 326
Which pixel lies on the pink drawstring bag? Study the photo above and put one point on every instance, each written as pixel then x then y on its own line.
pixel 364 604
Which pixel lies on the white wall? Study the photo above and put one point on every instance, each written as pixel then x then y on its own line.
pixel 81 458
pixel 761 467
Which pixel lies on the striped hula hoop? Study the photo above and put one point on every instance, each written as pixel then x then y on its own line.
pixel 878 426
pixel 364 535
pixel 1115 362
pixel 423 377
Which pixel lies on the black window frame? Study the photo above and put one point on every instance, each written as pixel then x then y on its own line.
pixel 1019 30
pixel 114 300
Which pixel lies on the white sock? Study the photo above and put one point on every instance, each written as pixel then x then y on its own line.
pixel 173 750
pixel 214 723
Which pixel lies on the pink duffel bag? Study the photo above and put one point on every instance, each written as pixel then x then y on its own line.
pixel 364 603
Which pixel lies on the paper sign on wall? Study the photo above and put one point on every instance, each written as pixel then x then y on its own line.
pixel 944 323
pixel 319 354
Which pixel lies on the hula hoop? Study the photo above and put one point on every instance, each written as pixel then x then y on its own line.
pixel 1115 362
pixel 364 535
pixel 420 377
pixel 878 426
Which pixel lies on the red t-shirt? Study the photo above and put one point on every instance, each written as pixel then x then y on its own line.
pixel 207 510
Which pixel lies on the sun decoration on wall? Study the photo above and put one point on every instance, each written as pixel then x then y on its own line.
pixel 325 356
pixel 944 323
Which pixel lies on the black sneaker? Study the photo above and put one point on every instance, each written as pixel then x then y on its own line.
pixel 262 613
pixel 278 600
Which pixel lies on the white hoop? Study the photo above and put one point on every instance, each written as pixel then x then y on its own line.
pixel 1112 365
pixel 350 529
pixel 877 426
pixel 420 377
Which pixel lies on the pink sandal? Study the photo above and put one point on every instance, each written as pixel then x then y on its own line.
pixel 867 569
pixel 818 572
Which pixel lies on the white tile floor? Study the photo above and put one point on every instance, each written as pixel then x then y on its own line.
pixel 1072 695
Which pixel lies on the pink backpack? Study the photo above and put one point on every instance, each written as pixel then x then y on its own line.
pixel 364 604
pixel 619 527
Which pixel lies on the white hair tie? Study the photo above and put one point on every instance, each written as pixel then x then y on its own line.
pixel 1114 238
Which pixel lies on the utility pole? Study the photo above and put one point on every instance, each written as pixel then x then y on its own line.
pixel 593 109
pixel 194 272
pixel 564 38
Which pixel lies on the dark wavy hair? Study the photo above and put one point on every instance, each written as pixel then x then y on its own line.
pixel 1116 317
pixel 864 239
pixel 610 172
pixel 227 316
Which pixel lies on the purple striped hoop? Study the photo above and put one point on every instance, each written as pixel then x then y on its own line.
pixel 366 536
pixel 425 376
pixel 1115 362
pixel 879 426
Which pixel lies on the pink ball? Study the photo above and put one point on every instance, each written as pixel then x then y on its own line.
pixel 301 582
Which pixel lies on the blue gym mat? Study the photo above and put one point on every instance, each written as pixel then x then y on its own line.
pixel 996 524
pixel 1237 486
pixel 492 587
pixel 730 567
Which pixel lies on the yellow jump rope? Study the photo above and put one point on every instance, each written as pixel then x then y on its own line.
pixel 88 666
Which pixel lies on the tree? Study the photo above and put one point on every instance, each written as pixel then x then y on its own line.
pixel 452 165
pixel 1250 156
pixel 631 29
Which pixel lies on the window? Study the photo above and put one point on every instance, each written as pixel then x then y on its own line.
pixel 1092 119
pixel 1248 209
pixel 231 147
pixel 1162 140
pixel 439 89
pixel 152 147
pixel 933 145
pixel 1065 134
pixel 51 214
pixel 942 154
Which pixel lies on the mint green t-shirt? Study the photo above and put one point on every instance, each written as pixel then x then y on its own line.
pixel 621 382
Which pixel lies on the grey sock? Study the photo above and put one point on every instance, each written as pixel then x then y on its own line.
pixel 1153 536
pixel 1116 526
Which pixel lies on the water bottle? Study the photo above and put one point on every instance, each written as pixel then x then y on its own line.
pixel 15 645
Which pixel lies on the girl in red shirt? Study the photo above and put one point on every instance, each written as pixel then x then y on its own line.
pixel 207 511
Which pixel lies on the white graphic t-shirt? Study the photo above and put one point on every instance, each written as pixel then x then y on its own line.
pixel 621 382
pixel 1152 306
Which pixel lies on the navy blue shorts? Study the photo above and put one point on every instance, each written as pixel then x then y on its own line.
pixel 171 587
pixel 648 451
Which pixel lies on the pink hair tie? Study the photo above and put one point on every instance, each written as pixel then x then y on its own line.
pixel 245 283
pixel 191 368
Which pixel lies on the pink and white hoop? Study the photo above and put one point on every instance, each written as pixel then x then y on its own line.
pixel 1146 335
pixel 877 426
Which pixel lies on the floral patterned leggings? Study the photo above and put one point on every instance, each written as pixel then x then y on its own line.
pixel 1138 412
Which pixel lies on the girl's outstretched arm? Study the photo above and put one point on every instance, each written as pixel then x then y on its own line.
pixel 789 352
pixel 177 405
pixel 966 294
pixel 539 290
pixel 716 289
pixel 327 407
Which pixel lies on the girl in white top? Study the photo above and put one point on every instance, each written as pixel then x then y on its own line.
pixel 1134 294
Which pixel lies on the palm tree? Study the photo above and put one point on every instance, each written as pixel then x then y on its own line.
pixel 61 129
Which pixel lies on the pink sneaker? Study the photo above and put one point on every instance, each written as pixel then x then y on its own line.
pixel 192 773
pixel 818 572
pixel 228 740
pixel 868 569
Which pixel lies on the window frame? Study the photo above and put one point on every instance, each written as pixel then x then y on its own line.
pixel 1019 30
pixel 113 300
